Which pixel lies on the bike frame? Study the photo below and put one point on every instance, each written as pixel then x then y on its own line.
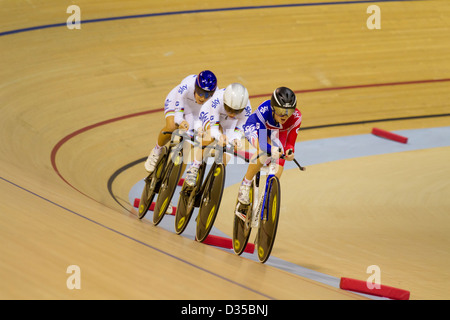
pixel 258 206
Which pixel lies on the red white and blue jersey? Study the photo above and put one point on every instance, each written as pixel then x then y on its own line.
pixel 262 125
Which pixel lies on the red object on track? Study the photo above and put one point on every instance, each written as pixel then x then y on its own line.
pixel 137 201
pixel 389 135
pixel 383 291
pixel 226 243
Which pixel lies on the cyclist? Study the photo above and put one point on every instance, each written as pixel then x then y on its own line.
pixel 223 117
pixel 182 108
pixel 273 129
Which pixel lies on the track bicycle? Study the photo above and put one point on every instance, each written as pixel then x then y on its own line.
pixel 206 196
pixel 262 213
pixel 211 191
pixel 171 175
pixel 164 179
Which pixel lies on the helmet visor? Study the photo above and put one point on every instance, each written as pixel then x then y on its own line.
pixel 283 112
pixel 203 93
pixel 231 110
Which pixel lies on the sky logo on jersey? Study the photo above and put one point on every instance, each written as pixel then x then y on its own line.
pixel 264 109
pixel 215 103
pixel 251 133
pixel 203 116
pixel 248 111
pixel 182 89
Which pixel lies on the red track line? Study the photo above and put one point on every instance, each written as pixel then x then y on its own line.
pixel 82 130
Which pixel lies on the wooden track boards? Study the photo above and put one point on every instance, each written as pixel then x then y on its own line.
pixel 56 209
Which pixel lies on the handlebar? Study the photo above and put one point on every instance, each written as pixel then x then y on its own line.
pixel 227 148
pixel 184 134
pixel 180 133
pixel 283 156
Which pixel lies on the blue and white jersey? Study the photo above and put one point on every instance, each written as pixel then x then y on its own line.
pixel 213 115
pixel 181 104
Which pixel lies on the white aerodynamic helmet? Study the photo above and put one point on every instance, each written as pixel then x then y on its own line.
pixel 235 97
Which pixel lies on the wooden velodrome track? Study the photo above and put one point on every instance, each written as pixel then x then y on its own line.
pixel 77 105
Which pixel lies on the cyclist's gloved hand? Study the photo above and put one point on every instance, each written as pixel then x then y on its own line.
pixel 201 133
pixel 223 140
pixel 290 155
pixel 184 125
pixel 236 143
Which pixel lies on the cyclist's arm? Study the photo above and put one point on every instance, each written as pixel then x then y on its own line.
pixel 180 97
pixel 242 119
pixel 293 131
pixel 256 132
pixel 179 115
pixel 215 125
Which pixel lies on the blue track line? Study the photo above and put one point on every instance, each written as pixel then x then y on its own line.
pixel 159 14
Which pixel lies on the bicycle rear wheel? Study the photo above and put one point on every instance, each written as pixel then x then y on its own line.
pixel 167 189
pixel 210 201
pixel 151 186
pixel 241 228
pixel 187 202
pixel 269 222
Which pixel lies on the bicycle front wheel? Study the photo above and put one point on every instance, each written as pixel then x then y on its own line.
pixel 152 183
pixel 269 222
pixel 210 201
pixel 167 189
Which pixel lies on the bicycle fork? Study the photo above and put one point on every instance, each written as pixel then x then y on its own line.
pixel 258 204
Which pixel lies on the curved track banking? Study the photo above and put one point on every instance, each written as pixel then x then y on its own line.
pixel 67 172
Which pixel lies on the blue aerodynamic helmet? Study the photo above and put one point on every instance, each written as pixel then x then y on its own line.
pixel 206 83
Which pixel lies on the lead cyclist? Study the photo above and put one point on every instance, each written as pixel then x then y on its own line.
pixel 272 129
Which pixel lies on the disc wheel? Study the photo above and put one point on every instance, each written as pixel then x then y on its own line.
pixel 210 201
pixel 187 202
pixel 241 228
pixel 167 188
pixel 151 185
pixel 268 225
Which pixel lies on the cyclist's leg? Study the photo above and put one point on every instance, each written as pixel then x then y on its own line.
pixel 198 157
pixel 280 169
pixel 253 168
pixel 162 140
pixel 257 160
pixel 170 126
